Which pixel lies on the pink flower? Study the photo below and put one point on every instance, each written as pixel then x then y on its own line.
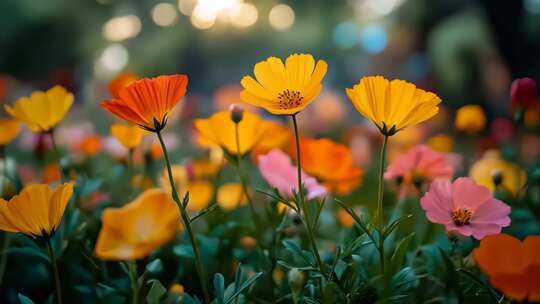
pixel 277 170
pixel 523 92
pixel 465 207
pixel 420 162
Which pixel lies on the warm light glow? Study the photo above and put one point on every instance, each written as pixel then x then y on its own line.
pixel 186 7
pixel 113 59
pixel 203 16
pixel 281 17
pixel 164 14
pixel 122 28
pixel 373 9
pixel 244 15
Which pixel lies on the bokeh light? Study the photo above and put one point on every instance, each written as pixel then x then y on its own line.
pixel 186 7
pixel 164 14
pixel 114 58
pixel 122 28
pixel 373 38
pixel 346 35
pixel 281 17
pixel 244 15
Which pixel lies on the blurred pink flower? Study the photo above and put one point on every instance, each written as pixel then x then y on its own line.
pixel 277 170
pixel 523 92
pixel 465 207
pixel 502 130
pixel 114 148
pixel 420 163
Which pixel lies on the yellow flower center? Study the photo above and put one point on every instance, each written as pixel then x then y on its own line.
pixel 289 99
pixel 462 216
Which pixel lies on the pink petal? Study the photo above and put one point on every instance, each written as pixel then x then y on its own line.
pixel 481 230
pixel 438 202
pixel 492 212
pixel 468 194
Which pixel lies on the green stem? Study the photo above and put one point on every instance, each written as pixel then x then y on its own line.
pixel 58 290
pixel 303 205
pixel 380 195
pixel 3 261
pixel 243 182
pixel 133 277
pixel 187 222
pixel 57 155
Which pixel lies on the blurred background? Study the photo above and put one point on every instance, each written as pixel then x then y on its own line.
pixel 467 51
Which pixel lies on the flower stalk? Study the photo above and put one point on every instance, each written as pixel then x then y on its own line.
pixel 56 155
pixel 133 277
pixel 380 196
pixel 187 221
pixel 305 218
pixel 54 265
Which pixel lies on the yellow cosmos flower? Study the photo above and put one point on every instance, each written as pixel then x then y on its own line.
pixel 231 196
pixel 129 136
pixel 492 172
pixel 9 129
pixel 135 230
pixel 470 119
pixel 284 88
pixel 392 105
pixel 42 111
pixel 36 211
pixel 200 190
pixel 220 130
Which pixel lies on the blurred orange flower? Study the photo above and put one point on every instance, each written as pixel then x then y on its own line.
pixel 231 196
pixel 220 130
pixel 148 102
pixel 513 267
pixel 275 136
pixel 129 136
pixel 90 145
pixel 36 211
pixel 392 105
pixel 51 173
pixel 135 230
pixel 284 88
pixel 42 111
pixel 470 119
pixel 331 163
pixel 9 129
pixel 121 81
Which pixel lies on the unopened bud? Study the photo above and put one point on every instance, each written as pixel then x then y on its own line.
pixel 296 280
pixel 237 112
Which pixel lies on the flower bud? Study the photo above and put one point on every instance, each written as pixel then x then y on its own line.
pixel 237 112
pixel 296 280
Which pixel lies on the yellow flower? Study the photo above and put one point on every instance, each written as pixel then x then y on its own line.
pixel 441 143
pixel 129 136
pixel 135 230
pixel 470 119
pixel 284 88
pixel 220 130
pixel 275 136
pixel 36 211
pixel 231 196
pixel 42 111
pixel 9 129
pixel 492 171
pixel 200 190
pixel 392 105
pixel 176 288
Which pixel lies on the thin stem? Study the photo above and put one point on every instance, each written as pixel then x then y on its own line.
pixel 56 155
pixel 380 195
pixel 58 284
pixel 3 260
pixel 244 185
pixel 305 218
pixel 133 277
pixel 187 222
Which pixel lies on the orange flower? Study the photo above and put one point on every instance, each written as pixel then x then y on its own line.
pixel 91 145
pixel 129 136
pixel 148 102
pixel 135 230
pixel 121 81
pixel 513 267
pixel 9 129
pixel 51 173
pixel 331 163
pixel 275 136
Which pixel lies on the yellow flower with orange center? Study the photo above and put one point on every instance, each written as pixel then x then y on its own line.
pixel 470 119
pixel 200 190
pixel 231 196
pixel 492 171
pixel 9 129
pixel 148 102
pixel 331 163
pixel 284 88
pixel 392 105
pixel 129 136
pixel 42 111
pixel 135 230
pixel 36 211
pixel 220 130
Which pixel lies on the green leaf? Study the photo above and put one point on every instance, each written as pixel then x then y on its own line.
pixel 390 228
pixel 219 287
pixel 27 250
pixel 452 275
pixel 244 286
pixel 185 200
pixel 358 221
pixel 156 292
pixel 187 299
pixel 204 212
pixel 24 299
pixel 155 267
pixel 399 253
pixel 184 251
pixel 403 282
pixel 108 294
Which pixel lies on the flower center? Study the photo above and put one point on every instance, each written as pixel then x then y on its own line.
pixel 289 99
pixel 462 216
